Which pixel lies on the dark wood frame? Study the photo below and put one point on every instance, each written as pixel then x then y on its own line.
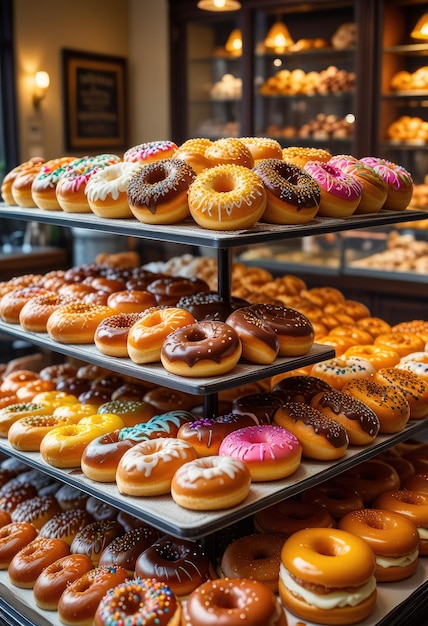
pixel 95 101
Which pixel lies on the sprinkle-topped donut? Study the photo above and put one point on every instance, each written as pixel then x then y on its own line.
pixel 43 188
pixel 340 193
pixel 374 187
pixel 299 155
pixel 150 151
pixel 293 197
pixel 398 180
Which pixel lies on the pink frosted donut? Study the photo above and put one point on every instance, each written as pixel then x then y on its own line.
pixel 150 152
pixel 398 179
pixel 270 452
pixel 340 192
pixel 374 187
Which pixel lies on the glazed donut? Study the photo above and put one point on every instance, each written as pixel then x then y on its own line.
pixel 373 325
pixel 147 468
pixel 358 335
pixel 139 601
pixel 260 406
pixel 147 336
pixel 209 305
pixel 320 436
pixel 111 334
pixel 300 156
pixel 340 193
pixel 150 152
pixel 79 601
pixel 31 560
pixel 20 410
pixel 77 322
pixel 65 525
pixel 338 372
pixel 256 557
pixel 35 313
pixel 398 180
pixel 101 456
pixel 393 539
pixel 169 289
pixel 211 483
pixel 13 301
pixel 125 549
pixel 401 342
pixel 327 576
pixel 293 197
pixel 7 182
pixel 416 482
pixel 339 343
pixel 270 452
pixel 165 399
pixel 418 327
pixel 389 403
pixel 5 518
pixel 193 152
pixel 63 446
pixel 21 185
pixel 106 190
pixel 337 499
pixel 181 564
pixel 227 197
pixel 94 538
pixel 70 497
pixel 293 329
pixel 37 510
pixel 247 600
pixel 229 151
pixel 43 187
pixel 131 301
pixel 55 578
pixel 201 349
pixel 369 479
pixel 26 434
pixel 207 434
pixel 378 356
pixel 411 504
pixel 13 537
pixel 100 511
pixel 414 389
pixel 262 148
pixel 157 194
pixel 375 189
pixel 300 388
pixel 260 343
pixel 359 420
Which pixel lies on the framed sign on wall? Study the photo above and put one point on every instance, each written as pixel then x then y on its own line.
pixel 94 101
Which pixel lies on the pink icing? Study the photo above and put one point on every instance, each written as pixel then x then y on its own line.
pixel 342 161
pixel 334 180
pixel 255 444
pixel 394 175
pixel 144 151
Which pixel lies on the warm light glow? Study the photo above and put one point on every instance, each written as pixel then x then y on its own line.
pixel 278 37
pixel 234 42
pixel 219 5
pixel 42 80
pixel 420 31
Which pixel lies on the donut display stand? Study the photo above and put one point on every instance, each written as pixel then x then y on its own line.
pixel 161 511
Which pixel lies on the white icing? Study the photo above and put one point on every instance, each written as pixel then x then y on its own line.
pixel 398 561
pixel 145 457
pixel 111 181
pixel 218 467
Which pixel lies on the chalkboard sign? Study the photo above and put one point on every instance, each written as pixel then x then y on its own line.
pixel 95 101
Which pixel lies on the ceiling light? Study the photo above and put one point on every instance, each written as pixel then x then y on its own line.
pixel 234 42
pixel 219 5
pixel 420 31
pixel 278 37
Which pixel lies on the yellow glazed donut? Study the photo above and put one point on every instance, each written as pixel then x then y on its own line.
pixel 401 342
pixel 262 148
pixel 193 152
pixel 229 151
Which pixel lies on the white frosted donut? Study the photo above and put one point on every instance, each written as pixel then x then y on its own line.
pixel 107 190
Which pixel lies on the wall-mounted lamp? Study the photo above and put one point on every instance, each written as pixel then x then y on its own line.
pixel 420 31
pixel 278 37
pixel 219 5
pixel 41 83
pixel 234 43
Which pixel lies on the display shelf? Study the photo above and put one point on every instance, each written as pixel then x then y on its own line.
pixel 163 513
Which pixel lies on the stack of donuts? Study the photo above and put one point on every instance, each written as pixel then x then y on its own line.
pixel 225 184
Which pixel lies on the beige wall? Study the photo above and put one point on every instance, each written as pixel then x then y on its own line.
pixel 136 29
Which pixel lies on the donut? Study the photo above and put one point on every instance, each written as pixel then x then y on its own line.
pixel 327 576
pixel 398 180
pixel 169 289
pixel 414 389
pixel 139 601
pixel 206 348
pixel 389 403
pixel 248 601
pixel 35 313
pixel 358 335
pixel 262 148
pixel 299 155
pixel 21 185
pixel 146 337
pixel 193 152
pixel 369 479
pixel 229 151
pixel 79 601
pixel 260 343
pixel 393 539
pixel 160 426
pixel 337 499
pixel 418 327
pixel 420 368
pixel 378 356
pixel 147 468
pixel 374 325
pixel 101 456
pixel 5 518
pixel 411 504
pixel 157 194
pixel 27 433
pixel 63 446
pixel 93 539
pixel 165 399
pixel 125 549
pixel 340 193
pixel 37 510
pixel 293 197
pixel 401 342
pixel 270 452
pixel 181 564
pixel 256 557
pixel 65 524
pixel 13 537
pixel 360 421
pixel 207 434
pixel 106 190
pixel 111 334
pixel 150 152
pixel 55 578
pixel 43 187
pixel 76 323
pixel 70 497
pixel 211 483
pixel 300 388
pixel 375 189
pixel 101 511
pixel 340 371
pixel 32 559
pixel 13 412
pixel 320 436
pixel 416 482
pixel 131 300
pixel 227 197
pixel 12 302
pixel 12 494
pixel 7 182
